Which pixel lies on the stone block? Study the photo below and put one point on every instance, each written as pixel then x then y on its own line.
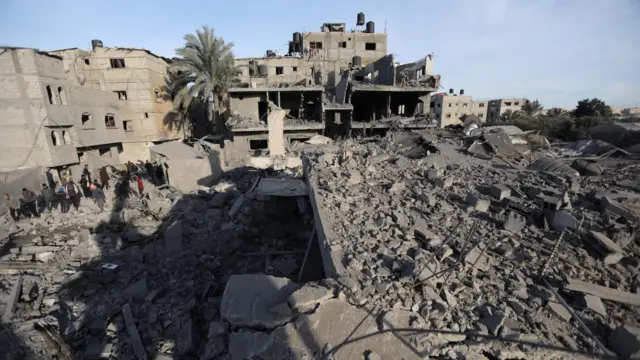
pixel 500 191
pixel 433 174
pixel 444 182
pixel 477 203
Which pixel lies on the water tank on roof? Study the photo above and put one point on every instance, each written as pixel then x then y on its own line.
pixel 371 27
pixel 356 61
pixel 263 70
pixel 461 91
pixel 291 48
pixel 253 68
pixel 271 53
pixel 451 91
pixel 297 38
pixel 96 44
pixel 360 21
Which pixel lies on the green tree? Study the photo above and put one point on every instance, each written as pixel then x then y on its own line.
pixel 509 115
pixel 557 113
pixel 532 108
pixel 203 71
pixel 592 107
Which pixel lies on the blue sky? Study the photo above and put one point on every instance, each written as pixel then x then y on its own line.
pixel 559 51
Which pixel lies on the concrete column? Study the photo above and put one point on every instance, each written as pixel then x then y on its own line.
pixel 279 99
pixel 275 124
pixel 388 106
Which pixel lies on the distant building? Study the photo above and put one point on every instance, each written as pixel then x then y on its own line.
pixel 480 108
pixel 137 78
pixel 448 109
pixel 52 122
pixel 498 107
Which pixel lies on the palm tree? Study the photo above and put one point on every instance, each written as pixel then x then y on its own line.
pixel 509 115
pixel 202 72
pixel 532 108
pixel 557 112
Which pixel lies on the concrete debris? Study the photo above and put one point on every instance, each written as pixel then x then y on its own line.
pixel 309 296
pixel 405 231
pixel 247 300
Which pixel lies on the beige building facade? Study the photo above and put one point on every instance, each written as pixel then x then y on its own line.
pixel 447 109
pixel 498 107
pixel 48 121
pixel 137 78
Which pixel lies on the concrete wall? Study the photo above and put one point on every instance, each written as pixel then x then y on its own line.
pixel 382 71
pixel 480 109
pixel 246 104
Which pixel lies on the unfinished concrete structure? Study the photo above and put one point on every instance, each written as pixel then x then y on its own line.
pixel 137 78
pixel 49 121
pixel 332 82
pixel 497 107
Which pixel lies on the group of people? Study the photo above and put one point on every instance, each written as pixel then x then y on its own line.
pixel 67 193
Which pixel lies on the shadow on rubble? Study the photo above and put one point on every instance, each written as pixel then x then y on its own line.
pixel 156 267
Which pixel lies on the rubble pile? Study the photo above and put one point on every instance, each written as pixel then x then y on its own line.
pixel 483 246
pixel 146 277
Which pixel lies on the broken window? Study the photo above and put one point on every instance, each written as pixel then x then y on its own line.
pixel 447 115
pixel 449 104
pixel 86 61
pixel 110 121
pixel 342 44
pixel 105 152
pixel 507 103
pixel 122 95
pixel 146 115
pixel 54 138
pixel 480 115
pixel 464 104
pixel 481 105
pixel 516 103
pixel 127 125
pixel 66 139
pixel 50 94
pixel 315 45
pixel 370 46
pixel 295 69
pixel 62 96
pixel 117 63
pixel 86 120
pixel 258 144
pixel 279 70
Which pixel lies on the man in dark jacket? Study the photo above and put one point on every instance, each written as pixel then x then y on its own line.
pixel 48 195
pixel 30 199
pixel 86 172
pixel 104 177
pixel 73 194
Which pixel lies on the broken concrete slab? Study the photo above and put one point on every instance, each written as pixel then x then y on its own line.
pixel 248 344
pixel 558 309
pixel 478 204
pixel 282 187
pixel 563 220
pixel 248 299
pixel 514 222
pixel 615 207
pixel 421 230
pixel 30 250
pixel 308 296
pixel 132 330
pixel 137 290
pixel 355 177
pixel 12 301
pixel 500 191
pixel 603 292
pixel 604 243
pixel 625 341
pixel 275 124
pixel 444 182
pixel 594 303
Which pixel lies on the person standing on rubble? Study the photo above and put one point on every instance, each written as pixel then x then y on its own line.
pixel 14 206
pixel 104 177
pixel 30 202
pixel 73 194
pixel 48 195
pixel 140 185
pixel 61 198
pixel 86 172
pixel 84 184
pixel 98 195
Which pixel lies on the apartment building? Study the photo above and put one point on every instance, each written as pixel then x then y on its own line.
pixel 480 108
pixel 448 109
pixel 49 121
pixel 498 107
pixel 137 78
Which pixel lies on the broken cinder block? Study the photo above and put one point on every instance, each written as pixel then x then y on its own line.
pixel 478 203
pixel 444 182
pixel 500 191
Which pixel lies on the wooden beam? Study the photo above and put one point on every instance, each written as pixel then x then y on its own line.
pixel 603 292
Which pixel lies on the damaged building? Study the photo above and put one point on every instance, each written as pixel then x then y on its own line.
pixel 326 84
pixel 51 122
pixel 137 78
